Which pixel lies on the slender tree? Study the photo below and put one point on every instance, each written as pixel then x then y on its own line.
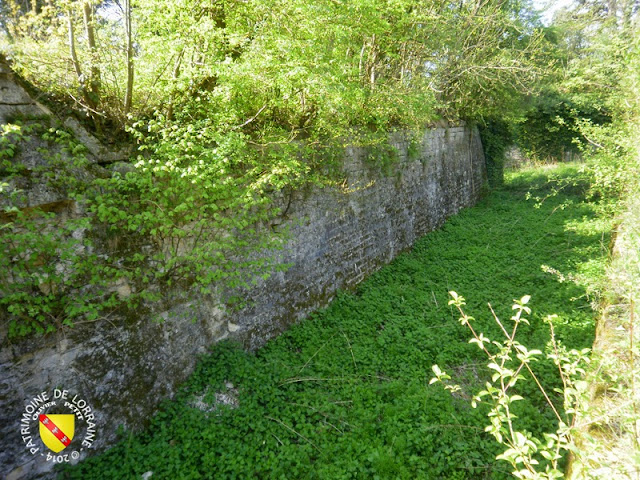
pixel 94 79
pixel 126 11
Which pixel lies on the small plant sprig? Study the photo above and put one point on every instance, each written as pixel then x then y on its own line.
pixel 510 361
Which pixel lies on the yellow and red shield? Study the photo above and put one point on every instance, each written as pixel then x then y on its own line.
pixel 56 430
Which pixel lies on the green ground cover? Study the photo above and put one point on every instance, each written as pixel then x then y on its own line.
pixel 345 393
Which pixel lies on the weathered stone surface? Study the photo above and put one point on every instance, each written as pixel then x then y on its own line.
pixel 346 234
pixel 97 152
pixel 14 99
pixel 125 366
pixel 122 368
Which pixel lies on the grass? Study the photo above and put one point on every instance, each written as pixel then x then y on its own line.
pixel 345 393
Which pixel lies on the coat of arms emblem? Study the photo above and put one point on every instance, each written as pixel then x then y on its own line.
pixel 56 430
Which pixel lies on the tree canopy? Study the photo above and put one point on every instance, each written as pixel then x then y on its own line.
pixel 273 67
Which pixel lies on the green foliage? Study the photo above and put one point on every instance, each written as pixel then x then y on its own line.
pixel 190 214
pixel 277 67
pixel 42 271
pixel 497 136
pixel 12 135
pixel 344 394
pixel 550 130
pixel 611 149
pixel 170 226
pixel 44 265
pixel 590 104
pixel 511 363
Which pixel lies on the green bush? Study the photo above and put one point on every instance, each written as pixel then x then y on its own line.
pixel 550 129
pixel 169 226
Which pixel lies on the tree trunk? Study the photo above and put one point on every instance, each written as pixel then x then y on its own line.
pixel 88 100
pixel 72 48
pixel 175 75
pixel 127 31
pixel 94 79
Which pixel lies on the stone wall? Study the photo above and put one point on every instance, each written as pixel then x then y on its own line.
pixel 123 367
pixel 347 233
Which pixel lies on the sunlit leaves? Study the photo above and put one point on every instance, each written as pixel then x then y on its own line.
pixel 521 447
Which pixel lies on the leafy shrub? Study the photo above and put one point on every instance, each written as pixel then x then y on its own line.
pixel 511 363
pixel 171 225
pixel 550 130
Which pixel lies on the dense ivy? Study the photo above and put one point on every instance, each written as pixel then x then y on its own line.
pixel 497 136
